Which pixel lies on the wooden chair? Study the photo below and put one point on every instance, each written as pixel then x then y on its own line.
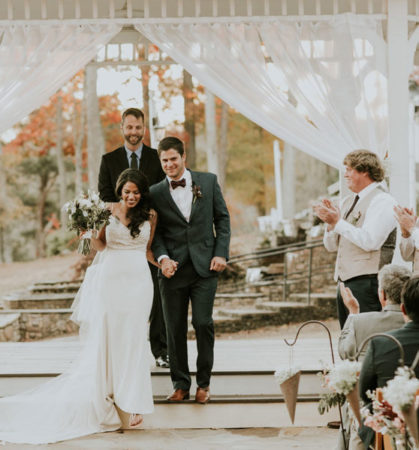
pixel 382 441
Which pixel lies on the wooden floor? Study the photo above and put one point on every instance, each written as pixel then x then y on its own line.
pixel 54 356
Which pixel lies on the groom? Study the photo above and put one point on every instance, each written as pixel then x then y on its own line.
pixel 191 244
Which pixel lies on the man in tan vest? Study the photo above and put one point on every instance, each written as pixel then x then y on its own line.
pixel 409 242
pixel 362 230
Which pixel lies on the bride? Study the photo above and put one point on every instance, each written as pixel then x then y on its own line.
pixel 112 308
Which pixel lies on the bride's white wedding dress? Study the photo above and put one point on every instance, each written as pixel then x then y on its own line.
pixel 112 307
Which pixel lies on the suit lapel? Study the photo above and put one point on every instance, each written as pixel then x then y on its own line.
pixel 122 160
pixel 195 201
pixel 144 160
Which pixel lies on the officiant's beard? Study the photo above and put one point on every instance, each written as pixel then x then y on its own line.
pixel 133 139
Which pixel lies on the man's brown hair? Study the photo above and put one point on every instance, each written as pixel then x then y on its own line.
pixel 365 161
pixel 137 113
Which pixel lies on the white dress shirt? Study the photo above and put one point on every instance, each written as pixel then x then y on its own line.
pixel 378 224
pixel 182 196
pixel 137 152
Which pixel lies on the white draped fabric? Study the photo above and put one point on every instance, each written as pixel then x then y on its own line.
pixel 335 71
pixel 36 60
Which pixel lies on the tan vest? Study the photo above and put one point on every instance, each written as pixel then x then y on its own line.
pixel 351 260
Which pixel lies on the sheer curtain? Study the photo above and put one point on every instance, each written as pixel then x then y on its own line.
pixel 36 60
pixel 334 71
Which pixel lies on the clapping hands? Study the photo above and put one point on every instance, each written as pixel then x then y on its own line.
pixel 407 220
pixel 328 213
pixel 348 299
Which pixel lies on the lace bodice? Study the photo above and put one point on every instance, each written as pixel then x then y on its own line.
pixel 118 236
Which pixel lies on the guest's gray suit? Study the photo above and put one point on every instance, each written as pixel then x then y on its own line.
pixel 192 244
pixel 360 326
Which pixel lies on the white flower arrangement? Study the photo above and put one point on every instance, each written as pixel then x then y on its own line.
pixel 282 375
pixel 342 377
pixel 402 390
pixel 86 213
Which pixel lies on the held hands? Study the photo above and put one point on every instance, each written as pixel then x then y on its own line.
pixel 406 219
pixel 218 264
pixel 168 267
pixel 348 299
pixel 328 213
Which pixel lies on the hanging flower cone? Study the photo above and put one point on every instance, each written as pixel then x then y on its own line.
pixel 411 420
pixel 353 400
pixel 289 389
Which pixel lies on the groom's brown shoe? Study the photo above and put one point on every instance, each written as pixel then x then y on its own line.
pixel 178 395
pixel 202 395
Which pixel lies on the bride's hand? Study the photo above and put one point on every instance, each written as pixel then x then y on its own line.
pixel 168 267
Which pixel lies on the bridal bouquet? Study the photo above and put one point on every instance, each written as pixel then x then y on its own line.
pixel 86 213
pixel 342 381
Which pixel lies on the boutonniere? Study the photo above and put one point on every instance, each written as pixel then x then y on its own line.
pixel 196 191
pixel 355 219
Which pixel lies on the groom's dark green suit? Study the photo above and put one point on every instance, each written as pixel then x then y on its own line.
pixel 192 244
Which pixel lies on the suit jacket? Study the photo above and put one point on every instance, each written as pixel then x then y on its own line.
pixel 360 326
pixel 381 362
pixel 115 162
pixel 207 234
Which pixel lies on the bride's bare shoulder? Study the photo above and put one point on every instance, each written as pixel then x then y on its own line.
pixel 113 207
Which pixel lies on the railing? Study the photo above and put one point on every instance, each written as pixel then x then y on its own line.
pixel 130 11
pixel 287 277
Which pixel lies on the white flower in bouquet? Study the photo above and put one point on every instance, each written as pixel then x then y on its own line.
pixel 342 377
pixel 86 213
pixel 282 375
pixel 402 390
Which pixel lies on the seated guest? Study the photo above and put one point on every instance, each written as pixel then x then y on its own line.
pixel 410 235
pixel 358 327
pixel 382 357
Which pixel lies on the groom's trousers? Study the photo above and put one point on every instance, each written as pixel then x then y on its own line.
pixel 176 296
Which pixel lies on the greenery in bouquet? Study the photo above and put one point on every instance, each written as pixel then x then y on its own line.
pixel 340 380
pixel 86 212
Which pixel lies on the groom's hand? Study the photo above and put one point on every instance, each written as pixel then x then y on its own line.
pixel 168 267
pixel 218 264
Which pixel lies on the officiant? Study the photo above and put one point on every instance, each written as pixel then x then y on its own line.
pixel 135 154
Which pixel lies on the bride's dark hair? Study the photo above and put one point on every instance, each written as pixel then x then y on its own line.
pixel 141 212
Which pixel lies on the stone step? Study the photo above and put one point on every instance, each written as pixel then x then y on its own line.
pixel 57 287
pixel 239 385
pixel 34 324
pixel 238 299
pixel 278 306
pixel 38 301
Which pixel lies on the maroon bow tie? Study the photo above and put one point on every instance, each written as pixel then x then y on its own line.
pixel 176 184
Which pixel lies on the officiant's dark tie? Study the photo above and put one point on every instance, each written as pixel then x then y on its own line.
pixel 352 207
pixel 175 184
pixel 134 161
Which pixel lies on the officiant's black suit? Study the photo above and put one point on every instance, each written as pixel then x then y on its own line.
pixel 192 244
pixel 112 165
pixel 115 162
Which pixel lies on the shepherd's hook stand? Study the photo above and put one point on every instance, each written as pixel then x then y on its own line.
pixel 333 361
